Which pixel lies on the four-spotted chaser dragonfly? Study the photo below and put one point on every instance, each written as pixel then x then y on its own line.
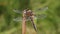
pixel 29 15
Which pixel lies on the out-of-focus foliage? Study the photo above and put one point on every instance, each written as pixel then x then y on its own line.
pixel 48 25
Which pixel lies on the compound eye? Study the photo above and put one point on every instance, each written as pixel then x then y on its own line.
pixel 29 11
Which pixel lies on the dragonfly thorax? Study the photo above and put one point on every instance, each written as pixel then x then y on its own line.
pixel 29 13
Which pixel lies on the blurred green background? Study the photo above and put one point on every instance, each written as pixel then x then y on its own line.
pixel 49 25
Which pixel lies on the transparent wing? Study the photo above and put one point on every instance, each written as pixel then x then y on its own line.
pixel 40 10
pixel 39 13
pixel 17 11
pixel 43 9
pixel 39 16
pixel 18 19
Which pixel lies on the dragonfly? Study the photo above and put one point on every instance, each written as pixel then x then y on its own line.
pixel 29 14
